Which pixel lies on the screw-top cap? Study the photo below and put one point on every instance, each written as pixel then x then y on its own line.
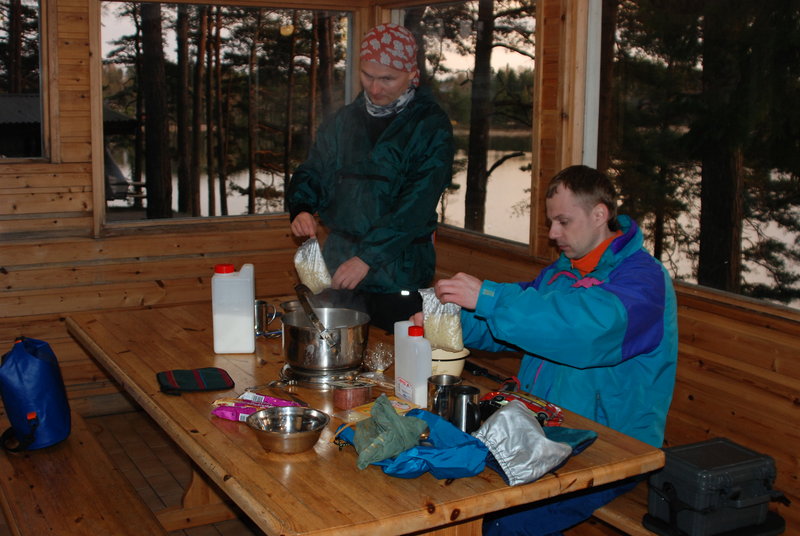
pixel 224 269
pixel 415 331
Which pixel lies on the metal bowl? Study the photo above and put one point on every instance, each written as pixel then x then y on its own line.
pixel 288 429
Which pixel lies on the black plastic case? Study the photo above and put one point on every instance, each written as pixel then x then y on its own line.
pixel 712 487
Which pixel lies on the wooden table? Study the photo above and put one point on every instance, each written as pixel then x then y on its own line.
pixel 319 491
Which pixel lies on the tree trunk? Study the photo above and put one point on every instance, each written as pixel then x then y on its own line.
pixel 721 212
pixel 287 127
pixel 659 214
pixel 138 141
pixel 212 193
pixel 252 115
pixel 313 73
pixel 185 201
pixel 480 120
pixel 14 64
pixel 326 66
pixel 218 105
pixel 605 136
pixel 157 163
pixel 197 106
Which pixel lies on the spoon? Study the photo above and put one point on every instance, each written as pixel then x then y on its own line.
pixel 303 293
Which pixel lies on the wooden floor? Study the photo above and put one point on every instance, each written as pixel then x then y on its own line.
pixel 156 467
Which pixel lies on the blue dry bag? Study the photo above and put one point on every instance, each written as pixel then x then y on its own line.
pixel 34 397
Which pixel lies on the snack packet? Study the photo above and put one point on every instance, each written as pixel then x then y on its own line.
pixel 442 322
pixel 310 266
pixel 237 409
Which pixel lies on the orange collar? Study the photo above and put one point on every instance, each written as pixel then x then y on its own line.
pixel 588 262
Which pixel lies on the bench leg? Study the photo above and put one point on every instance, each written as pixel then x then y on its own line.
pixel 201 505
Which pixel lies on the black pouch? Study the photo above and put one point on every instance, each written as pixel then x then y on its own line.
pixel 173 382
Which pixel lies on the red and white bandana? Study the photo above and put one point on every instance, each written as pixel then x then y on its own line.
pixel 391 45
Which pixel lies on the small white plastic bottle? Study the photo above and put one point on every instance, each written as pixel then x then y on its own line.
pixel 232 307
pixel 413 366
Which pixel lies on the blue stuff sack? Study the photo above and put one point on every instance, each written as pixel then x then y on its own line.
pixel 34 397
pixel 448 452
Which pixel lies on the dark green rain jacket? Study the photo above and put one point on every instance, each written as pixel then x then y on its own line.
pixel 379 202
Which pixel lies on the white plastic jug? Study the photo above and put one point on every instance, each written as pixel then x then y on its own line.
pixel 232 306
pixel 412 364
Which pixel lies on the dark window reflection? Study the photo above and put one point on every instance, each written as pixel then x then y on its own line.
pixel 20 98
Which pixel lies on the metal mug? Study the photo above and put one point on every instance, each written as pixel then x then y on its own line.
pixel 466 411
pixel 440 394
pixel 265 313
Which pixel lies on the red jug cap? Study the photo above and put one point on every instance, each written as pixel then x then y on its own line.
pixel 224 269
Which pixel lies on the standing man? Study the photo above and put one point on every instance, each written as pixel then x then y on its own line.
pixel 374 177
pixel 598 328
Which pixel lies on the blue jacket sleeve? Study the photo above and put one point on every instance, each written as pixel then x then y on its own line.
pixel 582 327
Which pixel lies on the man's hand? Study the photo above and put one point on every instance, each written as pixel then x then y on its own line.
pixel 461 289
pixel 350 273
pixel 304 224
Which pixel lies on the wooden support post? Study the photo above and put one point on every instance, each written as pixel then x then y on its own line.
pixel 201 505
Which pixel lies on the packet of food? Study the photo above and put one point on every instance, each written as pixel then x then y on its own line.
pixel 442 322
pixel 237 409
pixel 310 266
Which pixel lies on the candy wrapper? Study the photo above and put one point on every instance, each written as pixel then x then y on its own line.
pixel 311 267
pixel 442 322
pixel 237 409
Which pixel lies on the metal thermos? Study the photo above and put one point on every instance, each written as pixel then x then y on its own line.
pixel 466 412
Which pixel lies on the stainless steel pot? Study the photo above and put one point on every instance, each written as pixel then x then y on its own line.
pixel 305 349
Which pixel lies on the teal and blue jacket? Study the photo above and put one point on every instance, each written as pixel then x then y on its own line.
pixel 604 345
pixel 378 195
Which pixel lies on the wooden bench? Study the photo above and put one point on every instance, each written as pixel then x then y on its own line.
pixel 625 513
pixel 71 488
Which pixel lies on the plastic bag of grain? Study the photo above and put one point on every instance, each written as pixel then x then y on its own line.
pixel 310 266
pixel 442 322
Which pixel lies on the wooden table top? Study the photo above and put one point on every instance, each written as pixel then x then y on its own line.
pixel 319 491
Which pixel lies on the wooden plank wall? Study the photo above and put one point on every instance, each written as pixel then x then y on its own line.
pixel 45 281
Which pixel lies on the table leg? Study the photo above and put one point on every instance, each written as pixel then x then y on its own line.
pixel 201 505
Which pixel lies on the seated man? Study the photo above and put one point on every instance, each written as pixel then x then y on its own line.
pixel 598 328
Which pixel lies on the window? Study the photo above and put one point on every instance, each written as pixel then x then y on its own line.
pixel 20 94
pixel 479 59
pixel 209 108
pixel 699 128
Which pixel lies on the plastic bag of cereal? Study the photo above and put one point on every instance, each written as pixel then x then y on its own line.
pixel 310 266
pixel 442 322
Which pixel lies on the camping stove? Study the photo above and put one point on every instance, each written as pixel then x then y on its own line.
pixel 316 379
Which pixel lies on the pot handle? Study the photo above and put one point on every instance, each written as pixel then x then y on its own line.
pixel 303 294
